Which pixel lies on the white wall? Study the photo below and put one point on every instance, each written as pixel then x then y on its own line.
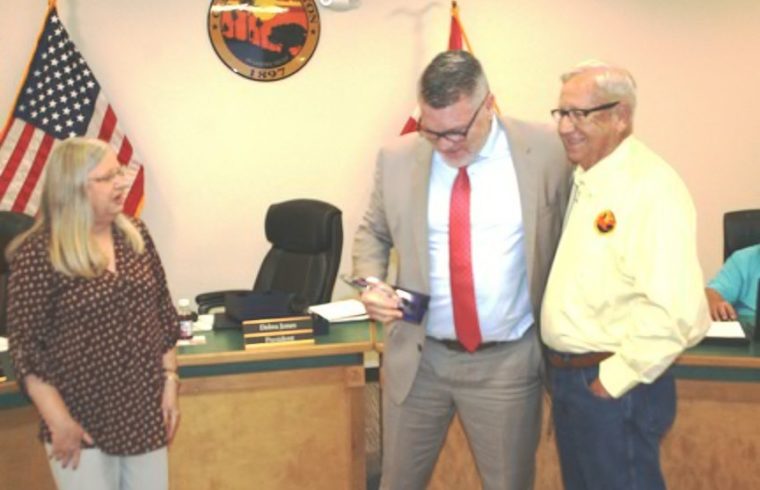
pixel 220 148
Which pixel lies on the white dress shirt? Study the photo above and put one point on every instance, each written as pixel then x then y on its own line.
pixel 635 290
pixel 497 238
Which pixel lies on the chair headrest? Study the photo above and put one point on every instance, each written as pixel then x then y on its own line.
pixel 11 224
pixel 302 225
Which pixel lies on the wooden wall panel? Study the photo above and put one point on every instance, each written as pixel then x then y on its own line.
pixel 713 444
pixel 23 463
pixel 278 430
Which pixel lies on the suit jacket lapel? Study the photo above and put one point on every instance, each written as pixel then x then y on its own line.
pixel 526 181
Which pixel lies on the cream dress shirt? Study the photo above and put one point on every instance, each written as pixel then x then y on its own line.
pixel 635 289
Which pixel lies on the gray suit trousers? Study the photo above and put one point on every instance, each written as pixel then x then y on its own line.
pixel 497 394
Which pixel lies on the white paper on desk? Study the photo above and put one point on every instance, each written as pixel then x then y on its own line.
pixel 347 310
pixel 204 323
pixel 195 340
pixel 725 330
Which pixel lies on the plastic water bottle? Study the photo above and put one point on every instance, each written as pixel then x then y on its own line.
pixel 185 319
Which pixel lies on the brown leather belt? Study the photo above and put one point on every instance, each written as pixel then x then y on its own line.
pixel 456 346
pixel 566 360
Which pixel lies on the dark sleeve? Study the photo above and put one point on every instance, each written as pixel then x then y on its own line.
pixel 31 309
pixel 167 312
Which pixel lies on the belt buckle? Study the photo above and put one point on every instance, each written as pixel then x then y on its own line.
pixel 450 344
pixel 456 346
pixel 568 360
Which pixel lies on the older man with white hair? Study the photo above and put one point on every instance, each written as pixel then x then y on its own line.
pixel 624 296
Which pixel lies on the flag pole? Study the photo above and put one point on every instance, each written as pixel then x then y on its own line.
pixel 455 15
pixel 7 126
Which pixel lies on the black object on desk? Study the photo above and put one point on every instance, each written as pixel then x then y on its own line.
pixel 242 306
pixel 248 305
pixel 224 322
pixel 320 324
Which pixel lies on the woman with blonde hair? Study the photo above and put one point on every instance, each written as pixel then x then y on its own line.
pixel 92 327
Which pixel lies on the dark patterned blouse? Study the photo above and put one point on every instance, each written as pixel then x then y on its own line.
pixel 99 341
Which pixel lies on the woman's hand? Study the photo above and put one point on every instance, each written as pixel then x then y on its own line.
pixel 170 404
pixel 67 437
pixel 67 434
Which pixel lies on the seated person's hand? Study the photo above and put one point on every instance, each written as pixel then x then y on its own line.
pixel 382 302
pixel 720 309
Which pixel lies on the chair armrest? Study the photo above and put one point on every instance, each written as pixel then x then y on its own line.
pixel 215 299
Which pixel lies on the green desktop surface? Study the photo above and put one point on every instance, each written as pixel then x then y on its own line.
pixel 354 337
pixel 706 361
pixel 231 341
pixel 723 360
pixel 709 360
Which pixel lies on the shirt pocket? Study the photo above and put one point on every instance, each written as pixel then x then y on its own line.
pixel 600 280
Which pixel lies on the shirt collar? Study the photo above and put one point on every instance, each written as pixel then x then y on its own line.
pixel 496 144
pixel 490 146
pixel 598 176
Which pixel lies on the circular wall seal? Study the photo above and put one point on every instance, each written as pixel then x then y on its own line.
pixel 264 40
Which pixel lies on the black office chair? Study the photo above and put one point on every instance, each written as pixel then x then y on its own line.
pixel 307 241
pixel 11 224
pixel 741 229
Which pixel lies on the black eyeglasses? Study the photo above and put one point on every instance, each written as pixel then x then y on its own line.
pixel 453 135
pixel 578 115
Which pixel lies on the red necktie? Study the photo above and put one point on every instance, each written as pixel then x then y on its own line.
pixel 460 264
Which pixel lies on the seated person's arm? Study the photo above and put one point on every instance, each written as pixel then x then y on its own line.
pixel 724 289
pixel 720 309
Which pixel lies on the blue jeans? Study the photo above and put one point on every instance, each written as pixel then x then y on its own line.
pixel 610 444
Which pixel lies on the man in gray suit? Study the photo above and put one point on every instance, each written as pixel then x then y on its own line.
pixel 499 187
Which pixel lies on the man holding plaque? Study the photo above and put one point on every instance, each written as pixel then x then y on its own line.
pixel 473 206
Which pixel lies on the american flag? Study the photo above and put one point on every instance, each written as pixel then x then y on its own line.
pixel 58 99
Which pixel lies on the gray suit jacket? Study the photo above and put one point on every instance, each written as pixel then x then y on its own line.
pixel 397 218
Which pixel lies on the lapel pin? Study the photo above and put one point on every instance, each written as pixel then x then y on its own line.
pixel 605 221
